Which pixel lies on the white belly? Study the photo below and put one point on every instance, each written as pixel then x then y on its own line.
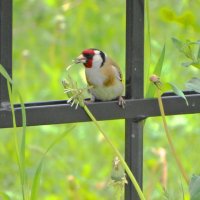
pixel 95 76
pixel 101 92
pixel 108 93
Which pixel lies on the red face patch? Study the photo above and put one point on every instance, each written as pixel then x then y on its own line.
pixel 88 63
pixel 88 51
pixel 88 54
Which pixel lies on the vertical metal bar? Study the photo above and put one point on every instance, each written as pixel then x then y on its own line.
pixel 134 89
pixel 134 155
pixel 5 45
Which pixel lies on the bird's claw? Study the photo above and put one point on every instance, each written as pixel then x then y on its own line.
pixel 88 101
pixel 92 100
pixel 121 102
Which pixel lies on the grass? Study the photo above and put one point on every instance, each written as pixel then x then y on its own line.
pixel 20 147
pixel 39 63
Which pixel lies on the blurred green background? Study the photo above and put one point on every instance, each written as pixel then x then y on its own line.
pixel 47 35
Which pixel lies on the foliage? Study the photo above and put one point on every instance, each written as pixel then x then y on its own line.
pixel 187 48
pixel 177 91
pixel 158 68
pixel 20 147
pixel 195 187
pixel 194 84
pixel 47 35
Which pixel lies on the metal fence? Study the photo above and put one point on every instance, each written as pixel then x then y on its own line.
pixel 137 107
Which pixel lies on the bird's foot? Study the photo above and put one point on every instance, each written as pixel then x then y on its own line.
pixel 121 102
pixel 88 101
pixel 92 100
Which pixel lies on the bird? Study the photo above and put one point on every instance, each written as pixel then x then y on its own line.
pixel 103 76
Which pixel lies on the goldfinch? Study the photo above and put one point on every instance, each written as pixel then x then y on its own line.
pixel 102 75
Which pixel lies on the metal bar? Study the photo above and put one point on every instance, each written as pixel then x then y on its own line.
pixel 134 154
pixel 134 90
pixel 5 46
pixel 58 112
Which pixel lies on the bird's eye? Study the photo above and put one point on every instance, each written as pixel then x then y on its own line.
pixel 88 56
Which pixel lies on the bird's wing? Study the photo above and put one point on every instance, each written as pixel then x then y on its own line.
pixel 117 70
pixel 111 71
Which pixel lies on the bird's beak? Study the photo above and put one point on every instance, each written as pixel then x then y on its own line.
pixel 80 59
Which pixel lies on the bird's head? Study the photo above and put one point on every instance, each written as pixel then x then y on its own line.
pixel 91 58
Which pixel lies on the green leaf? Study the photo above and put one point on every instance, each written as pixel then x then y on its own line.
pixel 20 162
pixel 157 71
pixel 194 187
pixel 36 180
pixel 23 139
pixel 9 81
pixel 160 62
pixel 184 47
pixel 166 87
pixel 178 44
pixel 5 74
pixel 178 92
pixel 196 64
pixel 197 42
pixel 188 51
pixel 192 63
pixel 198 53
pixel 147 47
pixel 187 64
pixel 194 84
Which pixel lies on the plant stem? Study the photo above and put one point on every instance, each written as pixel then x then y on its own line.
pixel 128 171
pixel 19 161
pixel 178 162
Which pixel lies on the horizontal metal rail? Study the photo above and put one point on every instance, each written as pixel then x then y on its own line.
pixel 58 112
pixel 137 108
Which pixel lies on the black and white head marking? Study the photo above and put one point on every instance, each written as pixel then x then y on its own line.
pixel 103 56
pixel 99 58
